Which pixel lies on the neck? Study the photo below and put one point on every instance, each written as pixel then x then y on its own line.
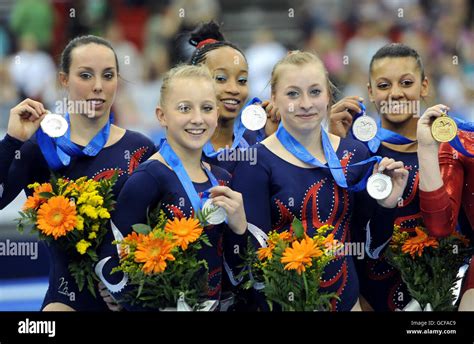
pixel 407 128
pixel 83 129
pixel 310 140
pixel 224 134
pixel 191 159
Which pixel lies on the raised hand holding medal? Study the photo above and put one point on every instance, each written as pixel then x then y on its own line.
pixel 434 126
pixel 232 203
pixel 388 182
pixel 25 119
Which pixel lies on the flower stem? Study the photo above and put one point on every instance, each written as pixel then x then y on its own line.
pixel 305 286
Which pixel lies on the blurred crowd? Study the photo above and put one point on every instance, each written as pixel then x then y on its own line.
pixel 150 37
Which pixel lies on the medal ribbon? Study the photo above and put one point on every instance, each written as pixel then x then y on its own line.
pixel 58 151
pixel 239 130
pixel 173 160
pixel 383 135
pixel 456 142
pixel 333 163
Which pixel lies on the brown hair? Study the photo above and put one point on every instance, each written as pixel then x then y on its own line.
pixel 297 57
pixel 183 71
pixel 65 62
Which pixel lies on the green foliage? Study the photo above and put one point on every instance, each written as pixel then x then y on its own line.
pixel 430 278
pixel 80 265
pixel 184 278
pixel 287 288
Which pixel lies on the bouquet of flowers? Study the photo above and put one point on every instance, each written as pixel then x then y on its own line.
pixel 429 266
pixel 291 267
pixel 162 264
pixel 73 215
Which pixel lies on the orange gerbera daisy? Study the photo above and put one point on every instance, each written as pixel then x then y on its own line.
pixel 133 238
pixel 273 239
pixel 300 255
pixel 285 236
pixel 265 252
pixel 184 231
pixel 154 252
pixel 33 202
pixel 57 217
pixel 418 243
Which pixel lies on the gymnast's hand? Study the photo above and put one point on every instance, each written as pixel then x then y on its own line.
pixel 399 175
pixel 232 202
pixel 273 117
pixel 25 119
pixel 341 115
pixel 423 129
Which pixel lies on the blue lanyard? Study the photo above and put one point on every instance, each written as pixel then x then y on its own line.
pixel 239 130
pixel 334 165
pixel 173 160
pixel 456 142
pixel 382 135
pixel 385 135
pixel 58 151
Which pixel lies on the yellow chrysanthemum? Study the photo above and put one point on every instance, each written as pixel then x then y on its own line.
pixel 300 255
pixel 184 231
pixel 89 211
pixel 92 235
pixel 57 217
pixel 399 237
pixel 324 229
pixel 80 223
pixel 82 246
pixel 103 213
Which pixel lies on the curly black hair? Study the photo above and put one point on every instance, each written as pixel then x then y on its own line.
pixel 210 30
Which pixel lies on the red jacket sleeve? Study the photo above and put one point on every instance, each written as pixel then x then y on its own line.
pixel 440 208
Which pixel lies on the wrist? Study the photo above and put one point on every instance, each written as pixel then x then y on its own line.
pixel 13 139
pixel 16 137
pixel 241 228
pixel 431 146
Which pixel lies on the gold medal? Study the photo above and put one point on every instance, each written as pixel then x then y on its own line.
pixel 444 129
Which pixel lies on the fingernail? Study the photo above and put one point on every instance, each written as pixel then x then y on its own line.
pixel 381 169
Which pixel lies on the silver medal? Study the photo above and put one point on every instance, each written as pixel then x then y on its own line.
pixel 379 186
pixel 254 117
pixel 215 215
pixel 54 125
pixel 364 128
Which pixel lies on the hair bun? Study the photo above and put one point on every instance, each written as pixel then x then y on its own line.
pixel 210 30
